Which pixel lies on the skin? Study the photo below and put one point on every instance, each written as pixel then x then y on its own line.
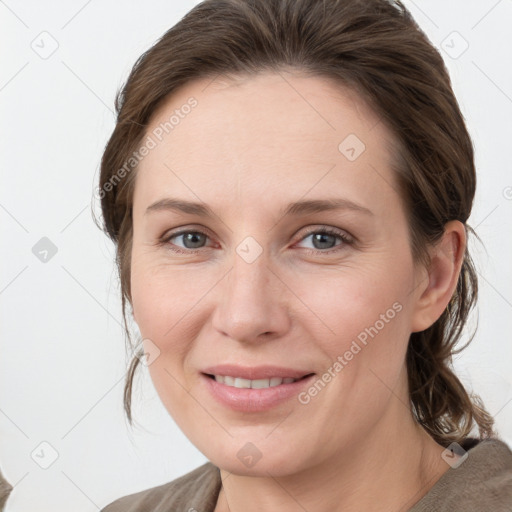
pixel 250 147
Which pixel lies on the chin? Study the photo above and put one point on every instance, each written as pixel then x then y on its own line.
pixel 257 459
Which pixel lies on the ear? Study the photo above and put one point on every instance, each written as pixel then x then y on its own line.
pixel 437 287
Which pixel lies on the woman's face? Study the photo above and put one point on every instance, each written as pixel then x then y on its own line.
pixel 246 286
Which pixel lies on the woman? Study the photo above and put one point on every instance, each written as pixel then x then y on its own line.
pixel 288 186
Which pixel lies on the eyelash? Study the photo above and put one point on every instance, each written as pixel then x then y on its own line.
pixel 345 239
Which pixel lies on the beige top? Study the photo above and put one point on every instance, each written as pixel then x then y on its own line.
pixel 5 490
pixel 482 483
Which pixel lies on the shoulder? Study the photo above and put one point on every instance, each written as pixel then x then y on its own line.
pixel 5 490
pixel 483 481
pixel 196 490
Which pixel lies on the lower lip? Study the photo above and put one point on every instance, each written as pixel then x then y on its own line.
pixel 254 400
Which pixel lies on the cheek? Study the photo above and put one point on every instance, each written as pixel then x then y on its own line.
pixel 169 308
pixel 364 329
pixel 163 305
pixel 361 322
pixel 162 296
pixel 348 305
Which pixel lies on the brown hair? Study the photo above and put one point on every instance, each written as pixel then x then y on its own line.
pixel 375 48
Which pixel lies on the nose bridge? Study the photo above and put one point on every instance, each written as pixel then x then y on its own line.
pixel 250 300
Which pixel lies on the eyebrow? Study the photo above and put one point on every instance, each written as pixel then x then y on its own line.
pixel 303 207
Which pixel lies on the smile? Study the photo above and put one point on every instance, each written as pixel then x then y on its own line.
pixel 239 382
pixel 264 391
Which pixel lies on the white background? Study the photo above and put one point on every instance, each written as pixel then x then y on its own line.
pixel 62 356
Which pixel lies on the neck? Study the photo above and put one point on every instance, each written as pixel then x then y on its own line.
pixel 390 469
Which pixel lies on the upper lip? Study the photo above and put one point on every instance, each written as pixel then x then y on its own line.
pixel 255 372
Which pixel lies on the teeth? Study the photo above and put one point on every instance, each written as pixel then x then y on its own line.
pixel 230 381
pixel 275 381
pixel 260 383
pixel 238 382
pixel 242 383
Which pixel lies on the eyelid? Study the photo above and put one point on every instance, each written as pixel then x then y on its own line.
pixel 345 238
pixel 331 230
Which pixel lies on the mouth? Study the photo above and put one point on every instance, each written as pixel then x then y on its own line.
pixel 241 383
pixel 260 389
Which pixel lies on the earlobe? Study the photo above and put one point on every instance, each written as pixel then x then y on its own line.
pixel 446 261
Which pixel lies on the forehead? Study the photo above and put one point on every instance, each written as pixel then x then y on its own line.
pixel 268 134
pixel 284 102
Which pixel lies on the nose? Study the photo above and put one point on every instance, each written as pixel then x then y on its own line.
pixel 251 302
